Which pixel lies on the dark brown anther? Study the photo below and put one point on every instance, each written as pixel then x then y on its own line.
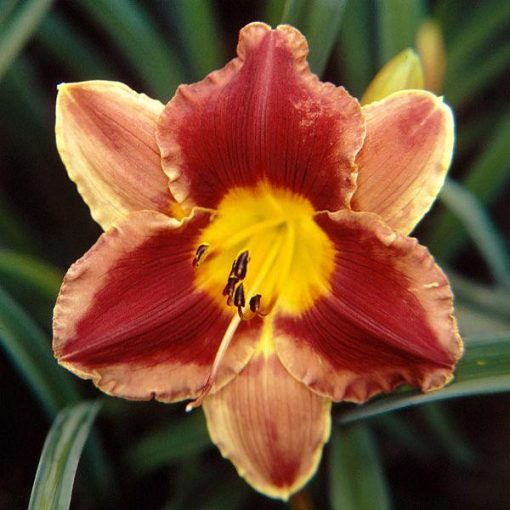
pixel 241 265
pixel 255 303
pixel 239 300
pixel 232 272
pixel 230 287
pixel 199 254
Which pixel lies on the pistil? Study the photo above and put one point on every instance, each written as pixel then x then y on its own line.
pixel 239 268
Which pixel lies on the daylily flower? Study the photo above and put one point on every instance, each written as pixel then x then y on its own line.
pixel 255 257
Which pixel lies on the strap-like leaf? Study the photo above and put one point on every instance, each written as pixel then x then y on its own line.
pixel 486 179
pixel 356 479
pixel 460 89
pixel 27 346
pixel 13 232
pixel 136 35
pixel 491 301
pixel 320 22
pixel 475 37
pixel 61 453
pixel 35 275
pixel 199 32
pixel 177 441
pixel 356 50
pixel 18 31
pixel 398 21
pixel 67 46
pixel 475 220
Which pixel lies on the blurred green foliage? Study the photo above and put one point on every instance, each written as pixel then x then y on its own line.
pixel 164 457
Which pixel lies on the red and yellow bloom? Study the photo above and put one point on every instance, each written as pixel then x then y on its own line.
pixel 255 256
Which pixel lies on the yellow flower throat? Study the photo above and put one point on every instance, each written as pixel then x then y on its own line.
pixel 264 251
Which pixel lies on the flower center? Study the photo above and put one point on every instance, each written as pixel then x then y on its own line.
pixel 264 251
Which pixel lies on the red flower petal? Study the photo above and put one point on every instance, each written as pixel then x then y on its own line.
pixel 404 159
pixel 106 138
pixel 129 316
pixel 387 321
pixel 270 426
pixel 264 116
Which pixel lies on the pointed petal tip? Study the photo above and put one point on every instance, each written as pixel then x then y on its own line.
pixel 270 426
pixel 69 86
pixel 105 134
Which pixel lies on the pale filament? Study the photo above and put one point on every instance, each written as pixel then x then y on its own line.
pixel 232 327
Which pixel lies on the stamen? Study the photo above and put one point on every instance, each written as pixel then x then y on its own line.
pixel 211 379
pixel 230 287
pixel 232 270
pixel 200 254
pixel 255 303
pixel 239 300
pixel 237 274
pixel 241 265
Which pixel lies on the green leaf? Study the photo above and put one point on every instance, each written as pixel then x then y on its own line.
pixel 356 479
pixel 475 129
pixel 66 45
pixel 16 34
pixel 475 39
pixel 24 107
pixel 198 488
pixel 400 431
pixel 448 434
pixel 233 496
pixel 477 223
pixel 200 34
pixel 461 88
pixel 491 171
pixel 12 232
pixel 8 7
pixel 274 11
pixel 135 34
pixel 486 179
pixel 475 322
pixel 356 49
pixel 61 453
pixel 481 310
pixel 320 22
pixel 179 440
pixel 28 348
pixel 398 22
pixel 452 15
pixel 34 275
pixel 293 11
pixel 30 352
pixel 493 301
pixel 484 369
